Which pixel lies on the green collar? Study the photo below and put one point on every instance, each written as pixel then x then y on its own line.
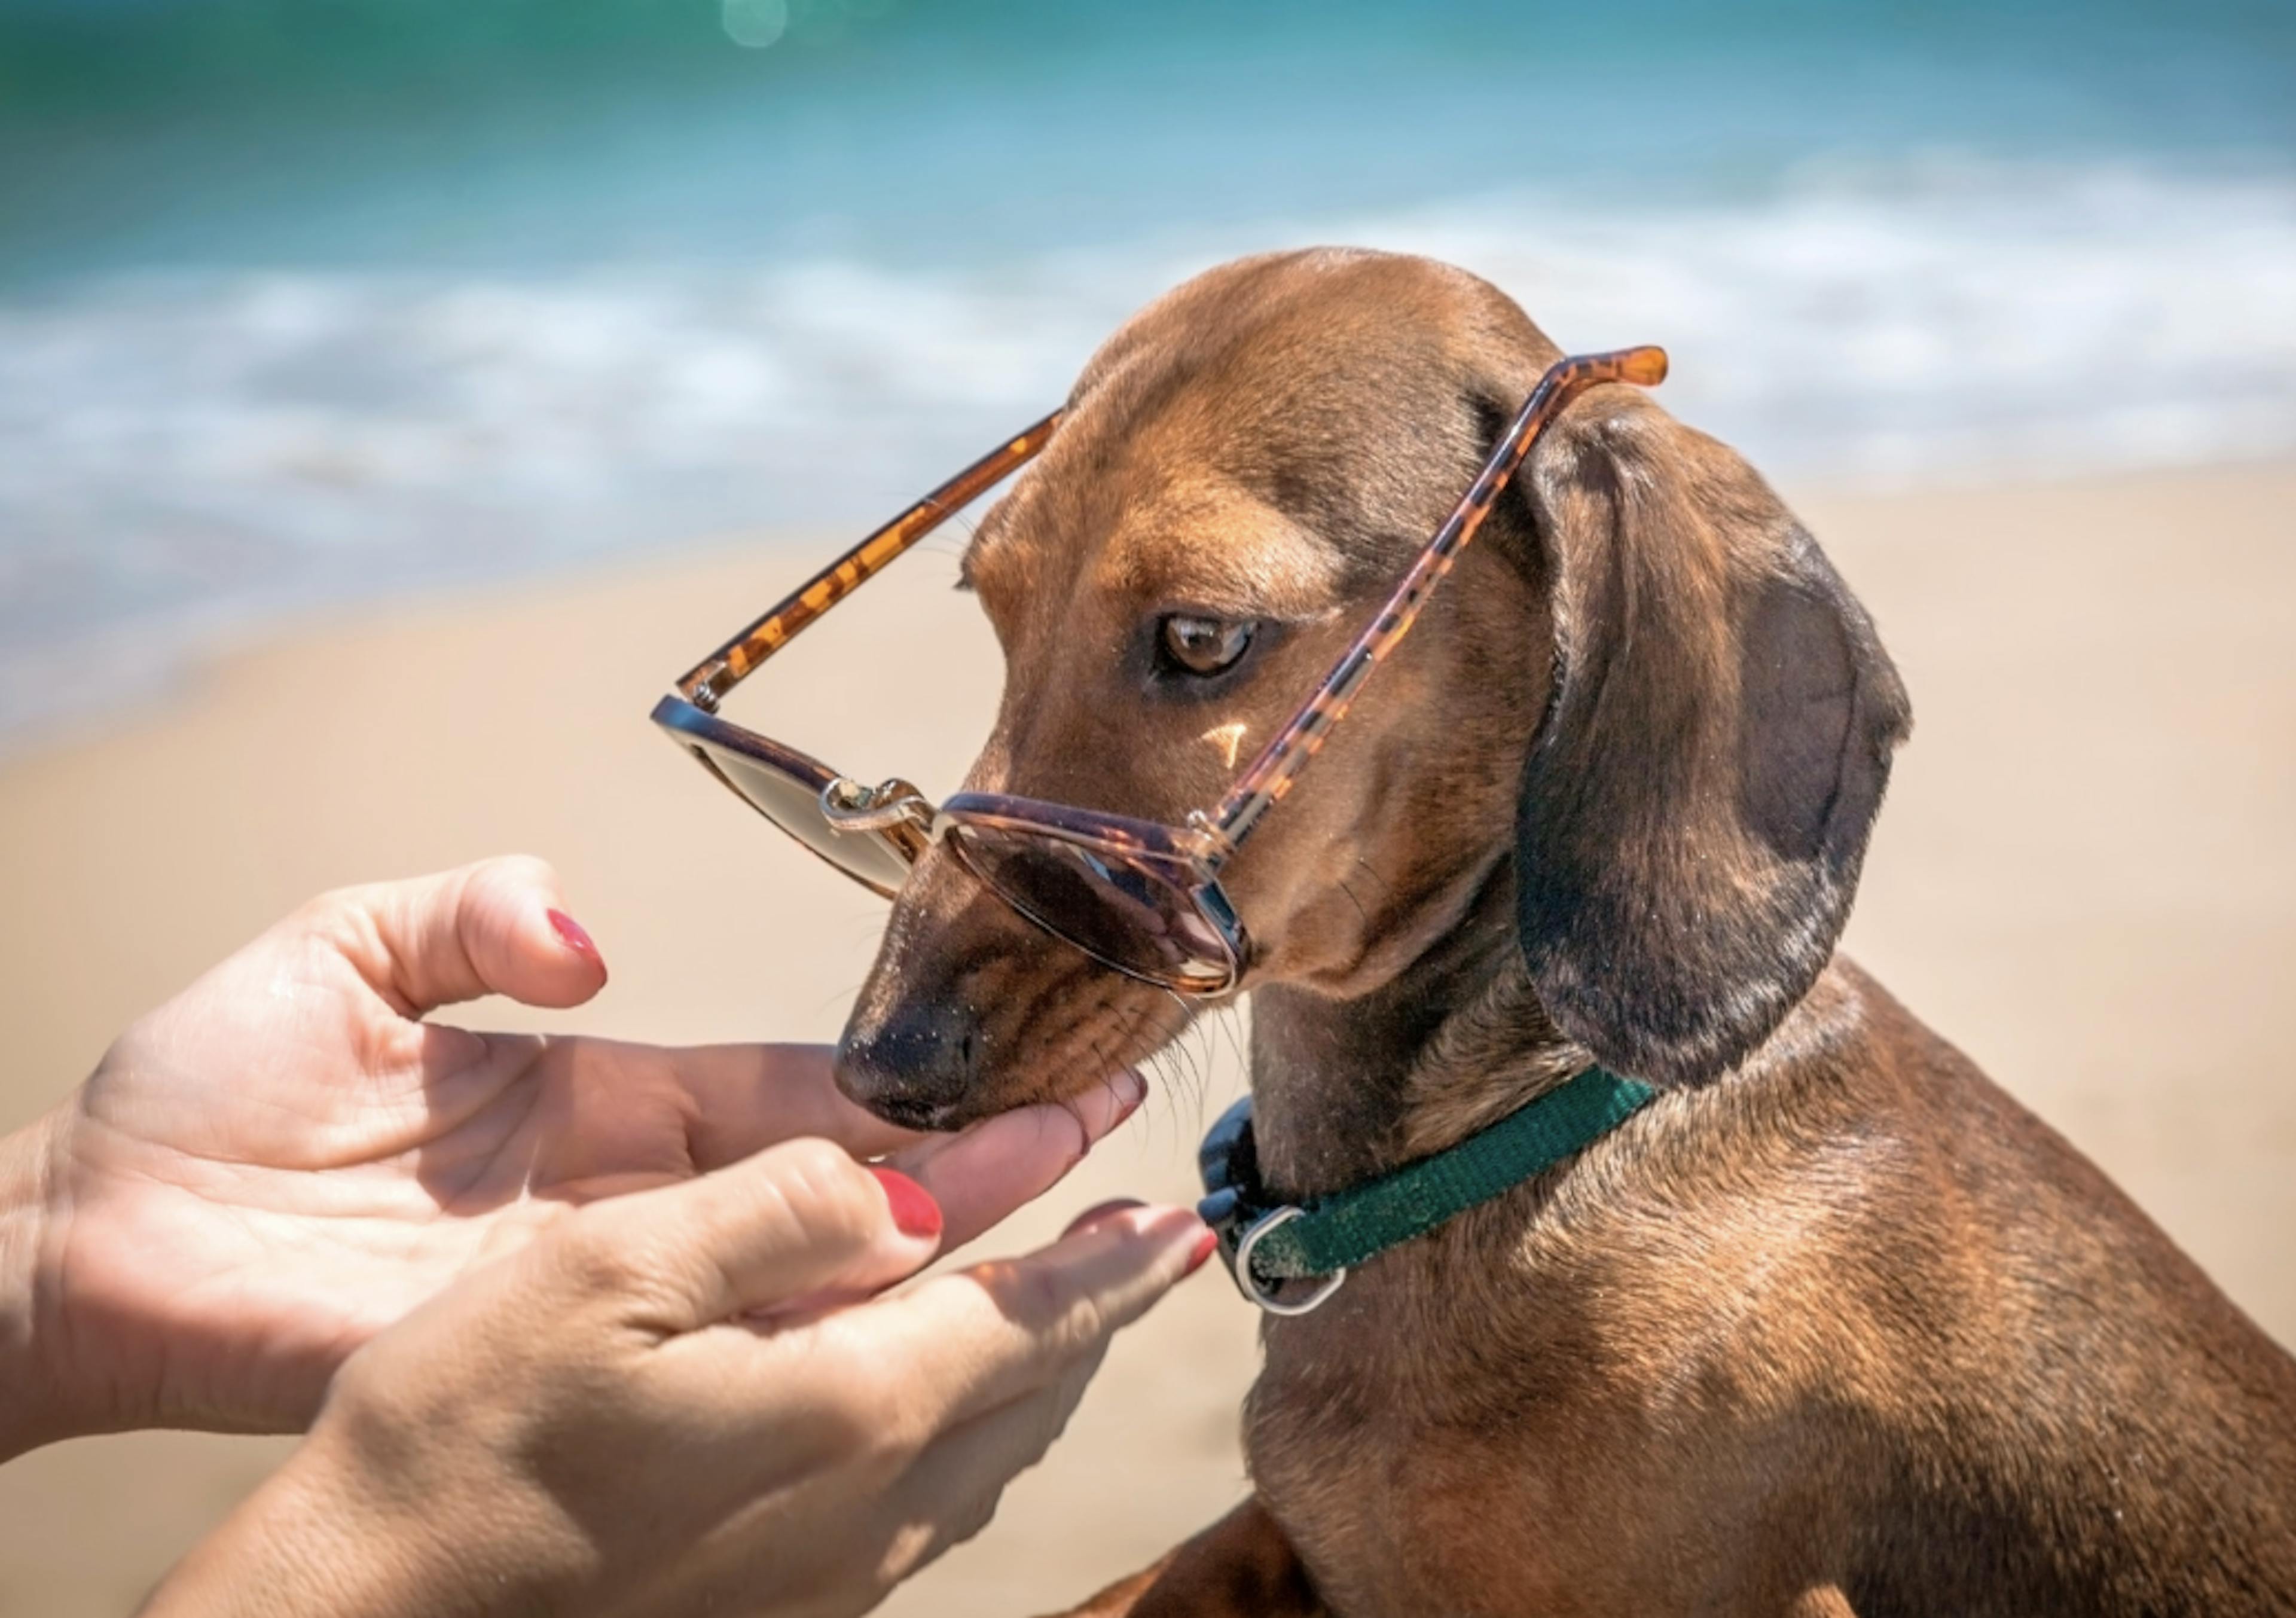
pixel 1268 1243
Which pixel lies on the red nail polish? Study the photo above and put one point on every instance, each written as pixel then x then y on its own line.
pixel 570 933
pixel 914 1212
pixel 1207 1244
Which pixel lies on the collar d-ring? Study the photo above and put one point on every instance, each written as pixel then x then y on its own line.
pixel 1266 1295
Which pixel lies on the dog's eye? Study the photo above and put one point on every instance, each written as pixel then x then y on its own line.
pixel 1205 645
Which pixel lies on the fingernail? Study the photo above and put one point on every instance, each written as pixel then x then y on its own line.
pixel 570 933
pixel 1131 1090
pixel 1100 1210
pixel 1206 1245
pixel 914 1212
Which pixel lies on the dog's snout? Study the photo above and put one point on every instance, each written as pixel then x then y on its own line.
pixel 916 1065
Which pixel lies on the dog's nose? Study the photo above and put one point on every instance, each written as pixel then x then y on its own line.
pixel 915 1065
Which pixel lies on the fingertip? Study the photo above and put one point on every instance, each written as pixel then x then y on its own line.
pixel 1181 1238
pixel 914 1212
pixel 1158 1235
pixel 1102 1108
pixel 548 969
pixel 572 934
pixel 1098 1211
pixel 576 940
pixel 1127 1258
pixel 1040 1143
pixel 485 928
pixel 1207 1244
pixel 529 946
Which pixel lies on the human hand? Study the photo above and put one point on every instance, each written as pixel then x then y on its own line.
pixel 275 1164
pixel 602 1424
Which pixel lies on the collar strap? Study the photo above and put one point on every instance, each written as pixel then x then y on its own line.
pixel 1268 1243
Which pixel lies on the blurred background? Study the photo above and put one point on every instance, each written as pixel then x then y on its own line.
pixel 394 394
pixel 305 299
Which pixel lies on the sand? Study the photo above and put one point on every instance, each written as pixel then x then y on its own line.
pixel 2085 875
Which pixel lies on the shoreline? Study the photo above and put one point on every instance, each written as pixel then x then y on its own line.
pixel 152 667
pixel 2085 876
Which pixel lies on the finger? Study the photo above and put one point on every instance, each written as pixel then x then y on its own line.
pixel 1098 1211
pixel 951 1492
pixel 985 1336
pixel 496 927
pixel 982 1175
pixel 794 1222
pixel 748 1097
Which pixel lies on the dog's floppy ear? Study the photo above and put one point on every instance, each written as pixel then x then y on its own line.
pixel 1695 806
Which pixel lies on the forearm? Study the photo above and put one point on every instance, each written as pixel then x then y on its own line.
pixel 31 1405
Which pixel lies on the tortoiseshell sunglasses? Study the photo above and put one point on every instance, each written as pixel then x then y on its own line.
pixel 1139 898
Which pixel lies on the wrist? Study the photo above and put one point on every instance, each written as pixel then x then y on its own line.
pixel 359 1523
pixel 33 1407
pixel 302 1542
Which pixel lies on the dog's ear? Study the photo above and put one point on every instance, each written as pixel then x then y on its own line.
pixel 1695 806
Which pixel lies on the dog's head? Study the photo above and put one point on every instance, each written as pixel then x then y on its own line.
pixel 1643 685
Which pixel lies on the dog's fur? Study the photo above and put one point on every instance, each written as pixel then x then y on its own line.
pixel 1831 1326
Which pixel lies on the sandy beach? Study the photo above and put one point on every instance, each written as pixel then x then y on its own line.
pixel 2085 876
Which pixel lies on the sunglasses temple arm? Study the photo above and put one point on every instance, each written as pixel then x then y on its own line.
pixel 706 683
pixel 1271 774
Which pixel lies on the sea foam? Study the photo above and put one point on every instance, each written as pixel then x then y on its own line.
pixel 181 454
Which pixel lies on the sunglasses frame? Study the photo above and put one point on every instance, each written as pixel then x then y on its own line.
pixel 1186 857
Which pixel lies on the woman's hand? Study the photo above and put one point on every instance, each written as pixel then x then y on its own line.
pixel 625 1417
pixel 285 1158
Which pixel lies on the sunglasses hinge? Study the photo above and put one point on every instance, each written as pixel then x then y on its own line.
pixel 850 807
pixel 1213 844
pixel 705 695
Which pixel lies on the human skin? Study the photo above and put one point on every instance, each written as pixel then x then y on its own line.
pixel 269 1170
pixel 595 1425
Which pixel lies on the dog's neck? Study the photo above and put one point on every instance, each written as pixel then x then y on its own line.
pixel 1345 1089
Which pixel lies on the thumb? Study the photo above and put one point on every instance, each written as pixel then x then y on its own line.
pixel 798 1221
pixel 496 927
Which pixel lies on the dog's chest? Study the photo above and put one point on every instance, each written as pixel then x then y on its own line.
pixel 1406 1470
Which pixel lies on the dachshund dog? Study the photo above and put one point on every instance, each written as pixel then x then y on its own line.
pixel 1830 1326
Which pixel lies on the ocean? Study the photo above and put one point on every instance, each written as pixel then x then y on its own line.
pixel 304 302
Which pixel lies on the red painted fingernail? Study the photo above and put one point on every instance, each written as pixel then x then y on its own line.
pixel 1207 1244
pixel 570 933
pixel 914 1212
pixel 1100 1210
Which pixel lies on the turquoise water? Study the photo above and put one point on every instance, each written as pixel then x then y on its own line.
pixel 520 132
pixel 512 133
pixel 305 299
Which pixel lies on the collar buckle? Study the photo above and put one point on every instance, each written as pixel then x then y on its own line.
pixel 1234 1206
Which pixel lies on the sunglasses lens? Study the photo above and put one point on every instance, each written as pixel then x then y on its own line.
pixel 1123 914
pixel 794 803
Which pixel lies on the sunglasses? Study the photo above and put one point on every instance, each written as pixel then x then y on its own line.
pixel 1141 897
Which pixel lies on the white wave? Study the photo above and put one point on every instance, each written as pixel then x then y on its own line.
pixel 180 452
pixel 1964 321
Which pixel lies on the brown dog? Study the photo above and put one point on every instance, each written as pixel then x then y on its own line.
pixel 1833 1326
